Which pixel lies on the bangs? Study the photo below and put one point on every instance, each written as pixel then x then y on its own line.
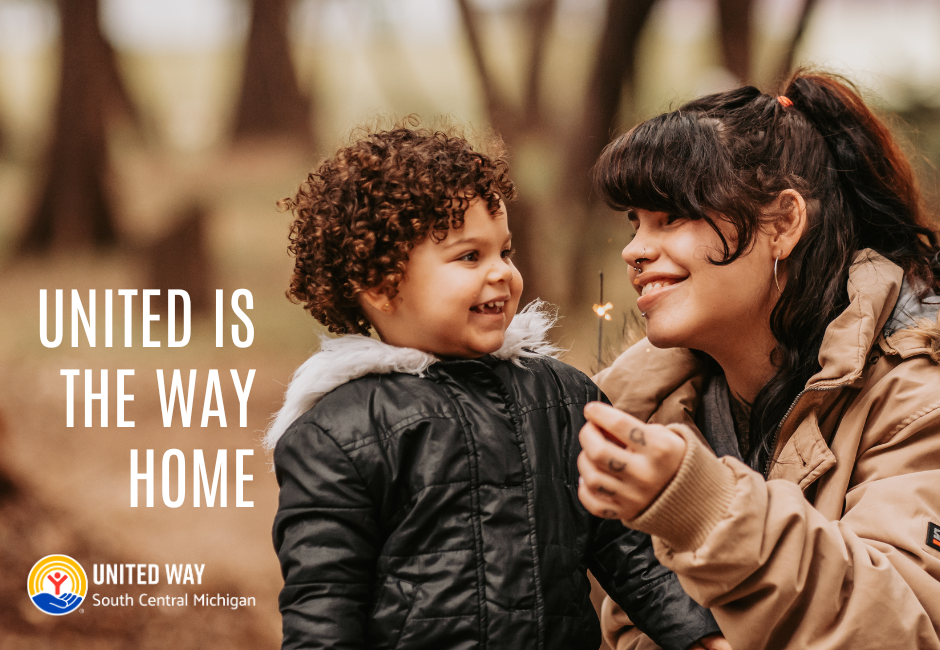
pixel 673 163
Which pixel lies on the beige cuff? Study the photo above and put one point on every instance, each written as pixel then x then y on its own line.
pixel 694 501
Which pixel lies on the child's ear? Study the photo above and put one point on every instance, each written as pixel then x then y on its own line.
pixel 375 299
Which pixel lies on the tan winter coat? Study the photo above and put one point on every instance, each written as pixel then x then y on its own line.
pixel 837 549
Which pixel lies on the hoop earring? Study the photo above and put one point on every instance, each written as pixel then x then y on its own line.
pixel 776 281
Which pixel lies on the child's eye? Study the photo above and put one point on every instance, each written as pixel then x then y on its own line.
pixel 468 257
pixel 509 253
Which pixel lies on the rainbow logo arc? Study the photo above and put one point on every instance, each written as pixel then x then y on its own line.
pixel 57 584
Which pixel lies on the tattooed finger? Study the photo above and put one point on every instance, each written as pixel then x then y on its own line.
pixel 609 514
pixel 636 436
pixel 616 465
pixel 602 490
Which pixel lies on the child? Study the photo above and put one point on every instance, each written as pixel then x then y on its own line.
pixel 429 480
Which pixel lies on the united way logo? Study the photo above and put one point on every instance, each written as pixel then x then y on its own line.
pixel 57 584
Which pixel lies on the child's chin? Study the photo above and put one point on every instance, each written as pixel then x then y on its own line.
pixel 482 348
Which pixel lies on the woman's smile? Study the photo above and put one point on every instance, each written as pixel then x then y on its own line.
pixel 654 288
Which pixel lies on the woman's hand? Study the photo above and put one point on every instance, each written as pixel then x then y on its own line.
pixel 624 462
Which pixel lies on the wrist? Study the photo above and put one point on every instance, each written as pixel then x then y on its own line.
pixel 693 502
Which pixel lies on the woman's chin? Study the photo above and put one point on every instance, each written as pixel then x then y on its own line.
pixel 663 337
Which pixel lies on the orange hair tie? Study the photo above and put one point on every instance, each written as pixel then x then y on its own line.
pixel 785 101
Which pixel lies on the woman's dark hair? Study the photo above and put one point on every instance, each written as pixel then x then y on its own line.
pixel 728 156
pixel 359 214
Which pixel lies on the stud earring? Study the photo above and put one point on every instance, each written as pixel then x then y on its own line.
pixel 776 281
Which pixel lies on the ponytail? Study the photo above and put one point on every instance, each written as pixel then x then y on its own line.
pixel 875 178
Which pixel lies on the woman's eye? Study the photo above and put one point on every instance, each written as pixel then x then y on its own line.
pixel 673 218
pixel 508 253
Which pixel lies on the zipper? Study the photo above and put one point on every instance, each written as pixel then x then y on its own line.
pixel 773 446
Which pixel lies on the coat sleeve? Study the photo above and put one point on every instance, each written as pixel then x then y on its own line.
pixel 626 567
pixel 325 535
pixel 776 572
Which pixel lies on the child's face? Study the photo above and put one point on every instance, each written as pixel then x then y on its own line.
pixel 458 295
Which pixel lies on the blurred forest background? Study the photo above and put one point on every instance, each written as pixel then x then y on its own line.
pixel 144 143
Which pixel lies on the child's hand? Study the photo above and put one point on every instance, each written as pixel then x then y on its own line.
pixel 711 642
pixel 619 481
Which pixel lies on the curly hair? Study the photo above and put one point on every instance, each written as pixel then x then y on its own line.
pixel 359 214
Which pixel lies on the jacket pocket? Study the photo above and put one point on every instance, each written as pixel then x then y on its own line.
pixel 394 600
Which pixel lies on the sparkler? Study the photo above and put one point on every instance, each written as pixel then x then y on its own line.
pixel 601 310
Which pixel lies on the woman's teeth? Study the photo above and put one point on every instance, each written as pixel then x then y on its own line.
pixel 495 307
pixel 656 286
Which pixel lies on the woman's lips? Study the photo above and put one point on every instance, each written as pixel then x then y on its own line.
pixel 653 291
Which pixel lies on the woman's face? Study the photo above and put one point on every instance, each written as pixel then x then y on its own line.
pixel 690 302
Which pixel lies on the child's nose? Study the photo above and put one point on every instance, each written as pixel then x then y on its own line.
pixel 500 272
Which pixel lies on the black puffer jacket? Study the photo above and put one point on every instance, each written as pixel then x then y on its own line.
pixel 441 512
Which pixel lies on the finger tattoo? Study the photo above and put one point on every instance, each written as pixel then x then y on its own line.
pixel 636 436
pixel 602 490
pixel 609 514
pixel 616 465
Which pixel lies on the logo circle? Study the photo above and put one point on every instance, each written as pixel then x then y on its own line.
pixel 57 584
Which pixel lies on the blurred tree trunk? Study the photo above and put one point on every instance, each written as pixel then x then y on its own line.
pixel 515 124
pixel 786 63
pixel 614 68
pixel 180 259
pixel 734 21
pixel 613 71
pixel 271 103
pixel 540 14
pixel 501 116
pixel 73 209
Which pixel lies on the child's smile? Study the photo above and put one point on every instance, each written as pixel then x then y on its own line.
pixel 492 307
pixel 458 295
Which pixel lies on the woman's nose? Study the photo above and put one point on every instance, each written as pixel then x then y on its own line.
pixel 633 251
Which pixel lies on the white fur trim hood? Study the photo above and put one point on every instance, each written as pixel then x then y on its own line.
pixel 342 359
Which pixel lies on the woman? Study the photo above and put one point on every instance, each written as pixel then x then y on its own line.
pixel 789 280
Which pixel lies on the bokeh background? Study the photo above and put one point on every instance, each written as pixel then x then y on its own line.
pixel 144 144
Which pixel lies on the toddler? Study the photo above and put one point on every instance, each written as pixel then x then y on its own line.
pixel 428 479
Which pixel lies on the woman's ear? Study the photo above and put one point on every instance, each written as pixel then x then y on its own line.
pixel 789 222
